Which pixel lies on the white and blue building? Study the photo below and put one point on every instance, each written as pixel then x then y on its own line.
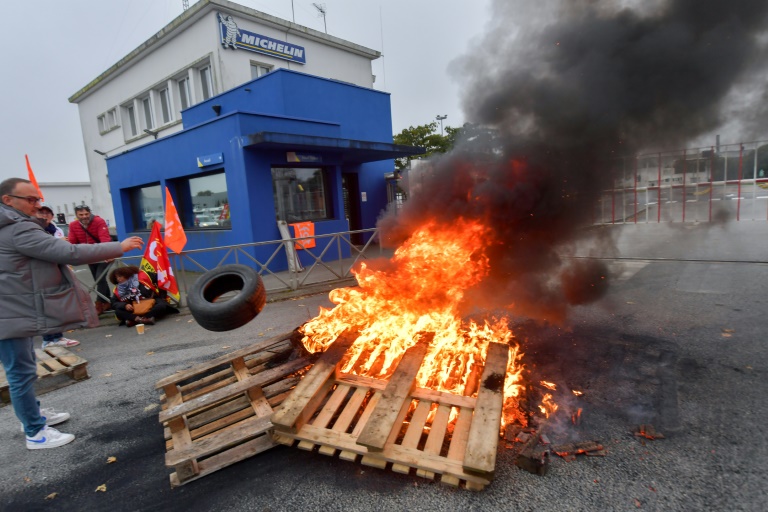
pixel 286 146
pixel 247 119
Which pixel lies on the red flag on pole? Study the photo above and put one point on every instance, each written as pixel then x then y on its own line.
pixel 156 260
pixel 175 238
pixel 32 178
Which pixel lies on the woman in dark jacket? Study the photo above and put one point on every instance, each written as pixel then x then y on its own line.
pixel 135 285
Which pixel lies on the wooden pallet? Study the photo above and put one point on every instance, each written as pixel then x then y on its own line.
pixel 386 423
pixel 51 361
pixel 217 413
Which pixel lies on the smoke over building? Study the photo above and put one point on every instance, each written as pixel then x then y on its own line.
pixel 554 91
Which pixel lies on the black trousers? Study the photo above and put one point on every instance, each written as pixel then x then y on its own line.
pixel 102 286
pixel 160 309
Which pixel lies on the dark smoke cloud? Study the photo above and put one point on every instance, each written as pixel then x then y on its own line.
pixel 555 91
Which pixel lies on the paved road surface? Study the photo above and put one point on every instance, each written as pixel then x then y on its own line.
pixel 680 344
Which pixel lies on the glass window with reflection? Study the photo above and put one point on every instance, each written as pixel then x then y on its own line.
pixel 210 203
pixel 184 96
pixel 147 206
pixel 165 105
pixel 300 194
pixel 206 82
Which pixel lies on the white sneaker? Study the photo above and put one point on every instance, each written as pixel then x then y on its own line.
pixel 51 417
pixel 62 342
pixel 48 437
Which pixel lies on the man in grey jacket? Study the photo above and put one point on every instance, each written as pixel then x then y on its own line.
pixel 39 295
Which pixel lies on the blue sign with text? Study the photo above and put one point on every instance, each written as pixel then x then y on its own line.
pixel 234 37
pixel 216 158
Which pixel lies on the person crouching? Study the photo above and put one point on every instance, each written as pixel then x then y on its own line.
pixel 136 298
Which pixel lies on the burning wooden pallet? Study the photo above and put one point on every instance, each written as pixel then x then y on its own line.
pixel 388 422
pixel 217 413
pixel 51 361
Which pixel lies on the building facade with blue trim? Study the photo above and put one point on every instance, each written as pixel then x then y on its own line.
pixel 212 47
pixel 286 146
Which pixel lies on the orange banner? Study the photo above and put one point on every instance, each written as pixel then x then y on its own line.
pixel 32 179
pixel 156 260
pixel 175 237
pixel 304 229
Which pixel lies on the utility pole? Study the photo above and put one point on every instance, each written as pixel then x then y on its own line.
pixel 440 118
pixel 321 10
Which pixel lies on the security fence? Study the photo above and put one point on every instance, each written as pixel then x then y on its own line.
pixel 332 260
pixel 716 183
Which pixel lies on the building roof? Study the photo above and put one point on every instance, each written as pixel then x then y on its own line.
pixel 65 183
pixel 199 10
pixel 357 151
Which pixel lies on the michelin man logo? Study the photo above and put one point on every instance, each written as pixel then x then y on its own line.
pixel 230 39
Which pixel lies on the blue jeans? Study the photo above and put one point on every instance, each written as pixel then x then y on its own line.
pixel 18 357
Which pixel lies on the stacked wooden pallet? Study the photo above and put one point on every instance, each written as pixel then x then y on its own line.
pixel 217 413
pixel 51 361
pixel 395 423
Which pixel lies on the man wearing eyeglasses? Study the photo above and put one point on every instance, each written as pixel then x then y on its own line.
pixel 39 295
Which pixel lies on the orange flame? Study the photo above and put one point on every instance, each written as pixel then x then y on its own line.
pixel 548 405
pixel 416 297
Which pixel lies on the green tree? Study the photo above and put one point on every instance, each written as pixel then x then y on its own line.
pixel 424 136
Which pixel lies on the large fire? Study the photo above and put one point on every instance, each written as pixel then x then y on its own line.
pixel 417 298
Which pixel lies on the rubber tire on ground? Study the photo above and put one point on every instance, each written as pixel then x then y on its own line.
pixel 234 312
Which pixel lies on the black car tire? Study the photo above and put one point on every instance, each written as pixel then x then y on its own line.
pixel 233 312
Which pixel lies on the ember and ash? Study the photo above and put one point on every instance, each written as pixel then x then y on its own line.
pixel 554 94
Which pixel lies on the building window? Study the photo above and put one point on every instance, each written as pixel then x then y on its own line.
pixel 108 121
pixel 206 82
pixel 300 194
pixel 184 96
pixel 112 119
pixel 149 118
pixel 207 206
pixel 130 113
pixel 146 206
pixel 165 105
pixel 258 70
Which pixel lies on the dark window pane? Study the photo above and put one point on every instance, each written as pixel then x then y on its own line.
pixel 146 206
pixel 300 194
pixel 210 203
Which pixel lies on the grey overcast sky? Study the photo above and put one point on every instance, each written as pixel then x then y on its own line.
pixel 55 47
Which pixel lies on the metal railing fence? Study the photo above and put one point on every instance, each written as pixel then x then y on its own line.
pixel 705 184
pixel 328 262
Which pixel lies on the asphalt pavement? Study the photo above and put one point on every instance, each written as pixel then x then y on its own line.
pixel 678 342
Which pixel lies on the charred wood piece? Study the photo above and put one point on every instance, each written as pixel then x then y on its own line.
pixel 648 432
pixel 571 450
pixel 534 455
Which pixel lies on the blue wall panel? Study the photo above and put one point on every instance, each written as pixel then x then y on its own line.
pixel 285 102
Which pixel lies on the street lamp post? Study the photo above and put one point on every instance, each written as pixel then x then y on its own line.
pixel 440 118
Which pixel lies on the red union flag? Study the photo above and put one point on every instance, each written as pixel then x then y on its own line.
pixel 175 238
pixel 32 178
pixel 156 260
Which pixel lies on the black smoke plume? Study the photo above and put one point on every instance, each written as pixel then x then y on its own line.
pixel 554 92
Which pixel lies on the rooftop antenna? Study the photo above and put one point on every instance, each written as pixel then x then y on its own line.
pixel 185 4
pixel 321 11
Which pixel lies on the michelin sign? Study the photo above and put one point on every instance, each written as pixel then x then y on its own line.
pixel 234 37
